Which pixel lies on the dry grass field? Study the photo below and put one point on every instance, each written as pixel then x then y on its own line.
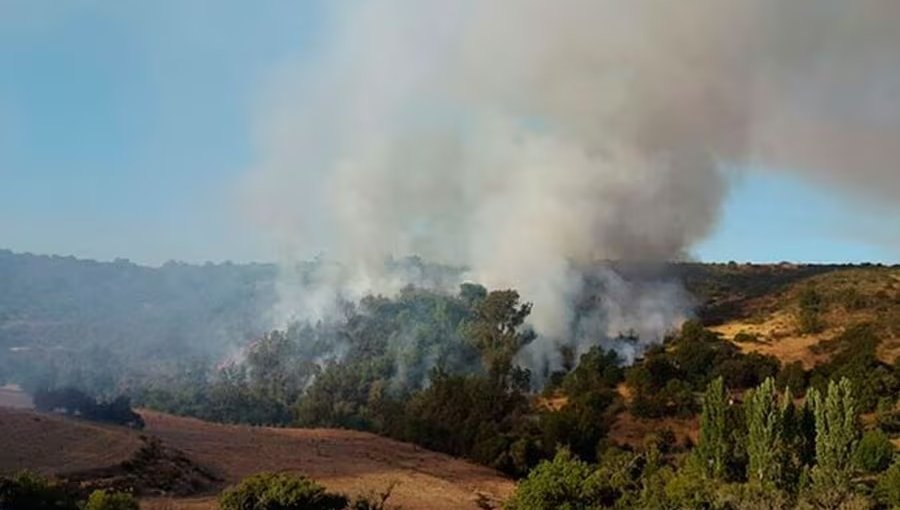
pixel 53 445
pixel 344 461
pixel 850 297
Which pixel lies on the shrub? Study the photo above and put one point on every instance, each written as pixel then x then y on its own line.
pixel 553 485
pixel 874 452
pixel 887 491
pixel 792 376
pixel 373 501
pixel 34 492
pixel 74 402
pixel 279 491
pixel 810 309
pixel 889 421
pixel 103 500
pixel 743 337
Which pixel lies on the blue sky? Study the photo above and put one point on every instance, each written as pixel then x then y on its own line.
pixel 124 127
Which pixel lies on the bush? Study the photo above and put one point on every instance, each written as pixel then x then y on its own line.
pixel 874 452
pixel 888 489
pixel 792 376
pixel 103 500
pixel 279 491
pixel 556 484
pixel 810 309
pixel 746 338
pixel 33 492
pixel 74 402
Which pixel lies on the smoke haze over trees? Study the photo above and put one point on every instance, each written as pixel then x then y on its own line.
pixel 522 140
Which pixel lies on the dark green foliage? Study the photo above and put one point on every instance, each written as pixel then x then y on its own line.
pixel 746 338
pixel 596 369
pixel 592 403
pixel 889 421
pixel 874 452
pixel 472 416
pixel 30 491
pixel 792 376
pixel 665 380
pixel 558 484
pixel 279 491
pixel 496 330
pixel 76 403
pixel 810 308
pixel 104 500
pixel 855 358
pixel 581 424
pixel 887 491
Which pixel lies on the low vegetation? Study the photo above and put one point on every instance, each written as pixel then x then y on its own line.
pixel 73 402
pixel 33 492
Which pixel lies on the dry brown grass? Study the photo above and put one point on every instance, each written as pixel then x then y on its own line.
pixel 52 445
pixel 342 460
pixel 345 461
pixel 630 430
pixel 851 296
pixel 777 336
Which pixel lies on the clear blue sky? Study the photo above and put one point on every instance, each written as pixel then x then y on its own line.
pixel 124 126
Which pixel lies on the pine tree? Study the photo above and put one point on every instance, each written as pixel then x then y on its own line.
pixel 764 435
pixel 712 448
pixel 837 432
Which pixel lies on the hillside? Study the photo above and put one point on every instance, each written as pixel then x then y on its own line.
pixel 791 321
pixel 346 461
pixel 59 314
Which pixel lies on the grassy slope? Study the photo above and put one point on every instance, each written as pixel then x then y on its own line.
pixel 849 296
pixel 345 461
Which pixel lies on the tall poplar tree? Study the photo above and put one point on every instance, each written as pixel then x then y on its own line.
pixel 837 433
pixel 764 435
pixel 713 446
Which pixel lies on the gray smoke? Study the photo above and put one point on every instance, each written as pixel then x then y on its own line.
pixel 524 138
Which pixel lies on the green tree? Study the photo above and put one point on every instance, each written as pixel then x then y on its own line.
pixel 837 431
pixel 810 307
pixel 764 439
pixel 34 492
pixel 279 491
pixel 558 484
pixel 874 452
pixel 887 491
pixel 497 332
pixel 713 446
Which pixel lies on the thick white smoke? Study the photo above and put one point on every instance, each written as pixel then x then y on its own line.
pixel 523 138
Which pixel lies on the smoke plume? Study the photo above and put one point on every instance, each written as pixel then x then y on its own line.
pixel 521 139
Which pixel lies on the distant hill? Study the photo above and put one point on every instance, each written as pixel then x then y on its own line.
pixel 792 321
pixel 59 310
pixel 59 315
